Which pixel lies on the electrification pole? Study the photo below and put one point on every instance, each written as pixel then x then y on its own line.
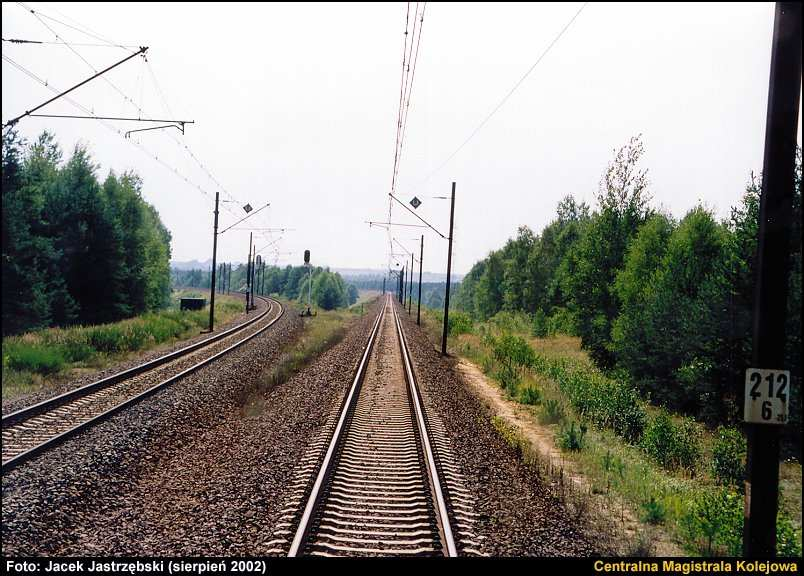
pixel 419 304
pixel 772 265
pixel 214 257
pixel 404 284
pixel 449 271
pixel 410 289
pixel 248 269
pixel 253 272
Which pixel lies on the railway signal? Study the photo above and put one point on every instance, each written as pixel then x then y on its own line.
pixel 308 312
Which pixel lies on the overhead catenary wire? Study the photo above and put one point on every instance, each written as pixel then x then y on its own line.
pixel 398 120
pixel 406 88
pixel 126 98
pixel 504 99
pixel 87 62
pixel 110 127
pixel 405 84
pixel 51 43
pixel 410 87
pixel 86 31
pixel 183 142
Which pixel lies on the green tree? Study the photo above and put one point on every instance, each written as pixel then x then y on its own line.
pixel 681 316
pixel 635 286
pixel 73 250
pixel 489 292
pixel 623 200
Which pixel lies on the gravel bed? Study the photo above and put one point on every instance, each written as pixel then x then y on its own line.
pixel 519 515
pixel 49 502
pixel 30 398
pixel 205 475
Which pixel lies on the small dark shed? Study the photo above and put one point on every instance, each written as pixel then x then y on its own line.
pixel 193 303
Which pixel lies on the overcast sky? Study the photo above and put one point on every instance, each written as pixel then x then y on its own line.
pixel 296 105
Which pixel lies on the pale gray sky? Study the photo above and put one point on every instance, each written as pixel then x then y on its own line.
pixel 296 104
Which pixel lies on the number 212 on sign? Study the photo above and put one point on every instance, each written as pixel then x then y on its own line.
pixel 766 396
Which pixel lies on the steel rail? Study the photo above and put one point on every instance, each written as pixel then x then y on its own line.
pixel 326 465
pixel 59 438
pixel 432 469
pixel 61 399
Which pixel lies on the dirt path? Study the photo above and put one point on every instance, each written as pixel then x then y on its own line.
pixel 542 441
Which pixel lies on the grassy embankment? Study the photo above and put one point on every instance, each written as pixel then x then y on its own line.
pixel 673 473
pixel 319 333
pixel 43 358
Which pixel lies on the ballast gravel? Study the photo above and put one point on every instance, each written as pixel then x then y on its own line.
pixel 198 469
pixel 519 514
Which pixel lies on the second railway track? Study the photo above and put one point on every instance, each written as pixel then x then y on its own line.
pixel 32 430
pixel 378 490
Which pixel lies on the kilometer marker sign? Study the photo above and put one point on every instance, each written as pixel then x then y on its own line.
pixel 767 396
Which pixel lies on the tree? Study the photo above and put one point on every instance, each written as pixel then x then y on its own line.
pixel 516 288
pixel 489 292
pixel 351 294
pixel 623 200
pixel 635 287
pixel 682 312
pixel 73 250
pixel 328 292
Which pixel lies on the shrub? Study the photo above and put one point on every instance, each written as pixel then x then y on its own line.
pixel 22 356
pixel 517 322
pixel 788 539
pixel 552 412
pixel 613 464
pixel 105 338
pixel 653 511
pixel 539 327
pixel 571 438
pixel 670 445
pixel 513 350
pixel 486 364
pixel 459 323
pixel 605 402
pixel 530 395
pixel 509 377
pixel 728 456
pixel 713 523
pixel 512 354
pixel 562 321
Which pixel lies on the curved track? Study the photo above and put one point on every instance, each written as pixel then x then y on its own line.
pixel 37 428
pixel 378 490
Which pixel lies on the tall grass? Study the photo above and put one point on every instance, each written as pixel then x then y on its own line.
pixel 29 357
pixel 668 469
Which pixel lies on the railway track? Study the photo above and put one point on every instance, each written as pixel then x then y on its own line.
pixel 378 488
pixel 32 430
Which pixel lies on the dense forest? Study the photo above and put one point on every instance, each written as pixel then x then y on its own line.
pixel 663 303
pixel 329 291
pixel 76 250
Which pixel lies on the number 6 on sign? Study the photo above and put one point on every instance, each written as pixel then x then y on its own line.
pixel 766 396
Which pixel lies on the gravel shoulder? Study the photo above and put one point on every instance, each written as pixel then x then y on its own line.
pixel 204 476
pixel 55 502
pixel 541 440
pixel 519 512
pixel 10 405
